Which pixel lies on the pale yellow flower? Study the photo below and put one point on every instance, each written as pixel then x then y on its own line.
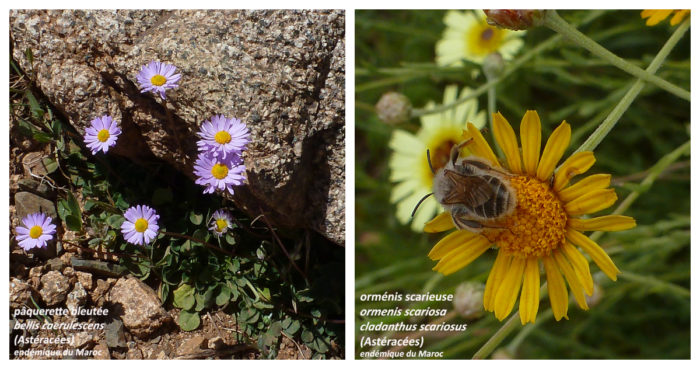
pixel 469 37
pixel 409 164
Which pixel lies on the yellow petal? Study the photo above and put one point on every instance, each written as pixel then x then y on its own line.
pixel 496 276
pixel 558 297
pixel 576 164
pixel 505 136
pixel 599 256
pixel 604 223
pixel 462 256
pixel 679 16
pixel 450 242
pixel 554 150
pixel 572 279
pixel 591 202
pixel 531 139
pixel 480 147
pixel 580 264
pixel 658 15
pixel 509 289
pixel 584 186
pixel 442 222
pixel 530 295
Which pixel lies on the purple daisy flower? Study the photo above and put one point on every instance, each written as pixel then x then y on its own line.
pixel 141 224
pixel 218 173
pixel 102 134
pixel 157 77
pixel 222 136
pixel 220 222
pixel 37 230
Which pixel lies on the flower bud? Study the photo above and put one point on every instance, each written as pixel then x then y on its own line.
pixel 469 300
pixel 514 19
pixel 597 295
pixel 493 65
pixel 393 108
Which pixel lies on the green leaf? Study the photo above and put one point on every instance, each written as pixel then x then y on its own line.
pixel 291 326
pixel 205 300
pixel 34 106
pixel 189 320
pixel 29 55
pixel 195 218
pixel 183 297
pixel 50 165
pixel 42 137
pixel 224 296
pixel 316 313
pixel 162 196
pixel 74 223
pixel 230 239
pixel 115 221
pixel 307 336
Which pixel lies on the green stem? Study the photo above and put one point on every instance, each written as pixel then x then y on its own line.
pixel 597 136
pixel 498 337
pixel 559 25
pixel 541 47
pixel 651 281
pixel 654 173
pixel 644 186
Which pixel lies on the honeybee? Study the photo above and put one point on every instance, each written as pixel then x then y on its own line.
pixel 475 193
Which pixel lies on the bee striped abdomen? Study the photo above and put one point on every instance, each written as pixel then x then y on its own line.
pixel 497 205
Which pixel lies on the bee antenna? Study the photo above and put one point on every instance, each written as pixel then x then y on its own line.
pixel 430 165
pixel 420 202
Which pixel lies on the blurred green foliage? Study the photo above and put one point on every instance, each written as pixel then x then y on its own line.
pixel 646 313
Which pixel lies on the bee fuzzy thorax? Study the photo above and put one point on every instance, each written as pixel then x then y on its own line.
pixel 475 194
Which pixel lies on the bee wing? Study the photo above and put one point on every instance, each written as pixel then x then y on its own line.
pixel 471 191
pixel 462 221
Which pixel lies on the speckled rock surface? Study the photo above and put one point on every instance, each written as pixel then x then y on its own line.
pixel 281 72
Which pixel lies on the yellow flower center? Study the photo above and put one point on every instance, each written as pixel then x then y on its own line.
pixel 158 80
pixel 221 224
pixel 222 137
pixel 140 225
pixel 35 232
pixel 537 225
pixel 102 135
pixel 219 171
pixel 484 39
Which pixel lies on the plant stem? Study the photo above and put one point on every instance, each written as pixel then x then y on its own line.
pixel 497 337
pixel 597 136
pixel 559 25
pixel 651 281
pixel 541 47
pixel 644 186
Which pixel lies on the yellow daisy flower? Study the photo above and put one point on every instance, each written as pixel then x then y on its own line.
pixel 545 226
pixel 409 163
pixel 469 37
pixel 656 16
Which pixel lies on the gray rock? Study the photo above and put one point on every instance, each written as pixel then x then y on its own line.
pixel 56 264
pixel 138 306
pixel 27 203
pixel 281 72
pixel 77 297
pixel 54 288
pixel 114 334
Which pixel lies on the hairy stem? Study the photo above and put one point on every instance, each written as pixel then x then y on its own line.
pixel 559 25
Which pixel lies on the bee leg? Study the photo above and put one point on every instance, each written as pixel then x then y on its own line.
pixel 454 152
